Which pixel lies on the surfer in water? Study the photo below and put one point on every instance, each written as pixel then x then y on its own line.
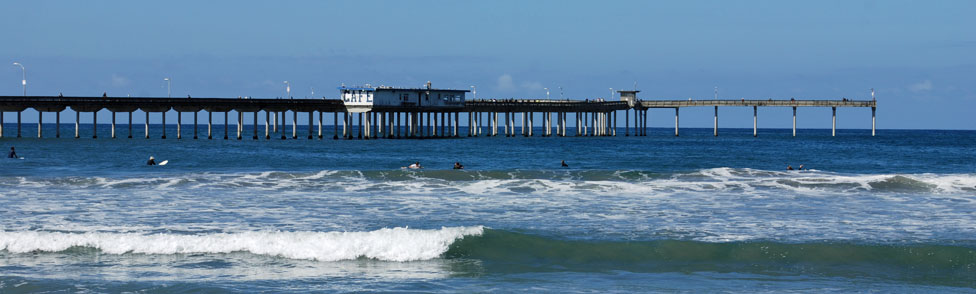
pixel 564 164
pixel 152 161
pixel 789 167
pixel 12 154
pixel 415 165
pixel 457 165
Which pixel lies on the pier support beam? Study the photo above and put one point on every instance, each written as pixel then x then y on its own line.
pixel 627 123
pixel 872 120
pixel 345 125
pixel 147 124
pixel 360 131
pixel 210 125
pixel 196 116
pixel 130 124
pixel 284 125
pixel 564 123
pixel 164 124
pixel 613 125
pixel 335 125
pixel 833 121
pixel 227 126
pixel 113 124
pixel 579 129
pixel 794 121
pixel 457 122
pixel 267 125
pixel 676 121
pixel 320 124
pixel 77 123
pixel 179 125
pixel 644 119
pixel 294 124
pixel 240 125
pixel 254 125
pixel 18 124
pixel 40 124
pixel 94 124
pixel 57 124
pixel 715 131
pixel 1 124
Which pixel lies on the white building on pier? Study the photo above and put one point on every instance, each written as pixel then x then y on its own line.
pixel 366 97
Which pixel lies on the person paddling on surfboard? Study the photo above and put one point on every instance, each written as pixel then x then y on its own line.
pixel 13 154
pixel 152 161
pixel 416 165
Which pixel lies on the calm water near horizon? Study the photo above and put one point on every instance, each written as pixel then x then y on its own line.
pixel 695 213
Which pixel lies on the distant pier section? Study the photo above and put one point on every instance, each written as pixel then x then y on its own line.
pixel 388 112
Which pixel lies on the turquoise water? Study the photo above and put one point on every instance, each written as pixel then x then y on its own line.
pixel 696 213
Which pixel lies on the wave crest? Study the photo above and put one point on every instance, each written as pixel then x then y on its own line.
pixel 391 244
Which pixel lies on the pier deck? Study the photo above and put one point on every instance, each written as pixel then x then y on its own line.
pixel 593 117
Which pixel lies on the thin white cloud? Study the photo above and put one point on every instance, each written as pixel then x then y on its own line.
pixel 119 81
pixel 505 83
pixel 922 86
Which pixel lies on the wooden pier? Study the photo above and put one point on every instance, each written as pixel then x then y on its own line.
pixel 592 117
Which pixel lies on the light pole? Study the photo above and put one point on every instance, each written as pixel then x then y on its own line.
pixel 611 94
pixel 287 89
pixel 24 80
pixel 560 92
pixel 547 93
pixel 169 87
pixel 474 91
pixel 716 93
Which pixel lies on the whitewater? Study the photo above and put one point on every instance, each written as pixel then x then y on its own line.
pixel 892 213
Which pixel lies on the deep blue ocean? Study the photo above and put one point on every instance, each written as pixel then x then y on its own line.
pixel 891 213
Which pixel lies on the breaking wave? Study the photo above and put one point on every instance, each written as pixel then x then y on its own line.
pixel 527 181
pixel 396 244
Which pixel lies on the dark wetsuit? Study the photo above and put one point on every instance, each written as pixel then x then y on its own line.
pixel 151 162
pixel 13 154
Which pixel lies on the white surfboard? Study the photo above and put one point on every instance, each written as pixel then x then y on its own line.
pixel 164 162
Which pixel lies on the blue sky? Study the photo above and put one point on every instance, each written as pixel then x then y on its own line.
pixel 917 54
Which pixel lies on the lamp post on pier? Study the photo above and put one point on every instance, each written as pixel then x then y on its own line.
pixel 24 80
pixel 169 87
pixel 287 90
pixel 474 91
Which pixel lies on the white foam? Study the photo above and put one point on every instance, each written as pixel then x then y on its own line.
pixel 396 244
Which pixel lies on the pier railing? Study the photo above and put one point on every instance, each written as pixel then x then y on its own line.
pixel 755 102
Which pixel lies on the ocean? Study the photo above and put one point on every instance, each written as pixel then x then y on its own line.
pixel 894 213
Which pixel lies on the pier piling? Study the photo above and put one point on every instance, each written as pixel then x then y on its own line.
pixel 130 124
pixel 833 121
